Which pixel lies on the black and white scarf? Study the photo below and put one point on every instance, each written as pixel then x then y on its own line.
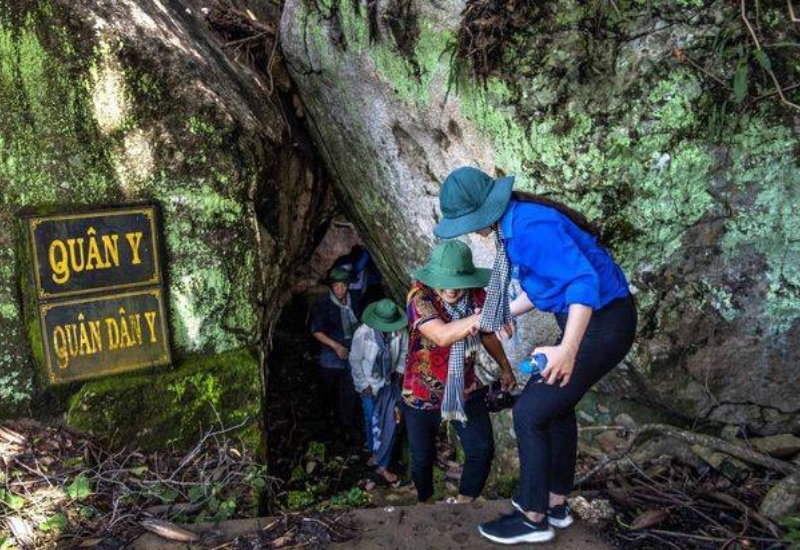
pixel 349 320
pixel 496 312
pixel 453 403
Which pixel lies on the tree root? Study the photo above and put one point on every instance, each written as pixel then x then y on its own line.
pixel 742 453
pixel 692 438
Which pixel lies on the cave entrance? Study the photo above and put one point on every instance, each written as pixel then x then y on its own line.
pixel 317 459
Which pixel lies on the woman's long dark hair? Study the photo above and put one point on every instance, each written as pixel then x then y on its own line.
pixel 576 217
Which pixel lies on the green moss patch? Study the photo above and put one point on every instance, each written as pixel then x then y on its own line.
pixel 174 408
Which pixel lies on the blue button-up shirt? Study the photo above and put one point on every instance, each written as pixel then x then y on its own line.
pixel 558 263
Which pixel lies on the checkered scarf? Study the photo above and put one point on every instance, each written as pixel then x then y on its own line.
pixel 496 312
pixel 453 403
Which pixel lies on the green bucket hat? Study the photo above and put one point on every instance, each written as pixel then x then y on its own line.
pixel 451 267
pixel 471 200
pixel 384 315
pixel 338 275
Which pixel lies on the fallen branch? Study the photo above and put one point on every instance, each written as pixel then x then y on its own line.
pixel 737 451
pixel 745 509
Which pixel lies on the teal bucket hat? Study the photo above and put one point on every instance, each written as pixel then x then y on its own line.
pixel 451 267
pixel 384 315
pixel 471 200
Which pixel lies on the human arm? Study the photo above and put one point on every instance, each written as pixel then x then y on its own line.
pixel 340 350
pixel 402 354
pixel 550 255
pixel 495 349
pixel 561 358
pixel 359 362
pixel 521 304
pixel 321 326
pixel 444 334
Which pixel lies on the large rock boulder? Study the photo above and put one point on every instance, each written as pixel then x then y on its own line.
pixel 641 116
pixel 111 102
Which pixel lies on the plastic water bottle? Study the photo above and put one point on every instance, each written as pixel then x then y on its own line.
pixel 533 365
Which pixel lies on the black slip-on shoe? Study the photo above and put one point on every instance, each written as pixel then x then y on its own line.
pixel 515 529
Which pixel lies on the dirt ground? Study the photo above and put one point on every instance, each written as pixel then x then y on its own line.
pixel 420 527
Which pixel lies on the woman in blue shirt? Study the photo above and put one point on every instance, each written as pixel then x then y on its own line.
pixel 563 270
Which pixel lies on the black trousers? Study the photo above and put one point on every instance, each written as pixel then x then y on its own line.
pixel 544 415
pixel 341 399
pixel 476 439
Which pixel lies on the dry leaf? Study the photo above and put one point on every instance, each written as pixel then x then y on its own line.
pixel 283 540
pixel 88 543
pixel 21 530
pixel 648 518
pixel 169 531
pixel 11 436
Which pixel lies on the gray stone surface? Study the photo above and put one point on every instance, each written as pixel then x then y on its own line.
pixel 612 122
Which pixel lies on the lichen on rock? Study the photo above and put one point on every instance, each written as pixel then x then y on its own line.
pixel 626 114
pixel 115 103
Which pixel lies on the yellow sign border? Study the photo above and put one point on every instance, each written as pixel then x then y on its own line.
pixel 147 211
pixel 163 360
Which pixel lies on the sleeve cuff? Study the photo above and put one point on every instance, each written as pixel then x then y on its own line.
pixel 584 294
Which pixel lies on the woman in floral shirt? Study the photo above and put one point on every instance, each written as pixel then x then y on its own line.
pixel 440 382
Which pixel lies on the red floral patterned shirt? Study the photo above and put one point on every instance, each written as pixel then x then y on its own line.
pixel 426 366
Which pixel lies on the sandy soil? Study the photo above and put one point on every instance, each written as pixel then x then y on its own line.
pixel 421 527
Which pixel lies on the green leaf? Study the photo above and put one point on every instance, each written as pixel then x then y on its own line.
pixel 164 493
pixel 197 493
pixel 73 462
pixel 56 523
pixel 80 488
pixel 15 502
pixel 169 495
pixel 86 512
pixel 258 482
pixel 138 471
pixel 791 522
pixel 3 541
pixel 740 82
pixel 763 60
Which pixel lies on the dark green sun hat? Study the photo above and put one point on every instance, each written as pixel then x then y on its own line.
pixel 471 200
pixel 384 315
pixel 451 267
pixel 339 275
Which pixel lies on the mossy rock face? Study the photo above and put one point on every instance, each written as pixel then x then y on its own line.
pixel 123 102
pixel 622 112
pixel 174 409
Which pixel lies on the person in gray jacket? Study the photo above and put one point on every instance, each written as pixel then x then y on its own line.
pixel 379 350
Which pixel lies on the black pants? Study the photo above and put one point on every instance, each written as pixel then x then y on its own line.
pixel 544 415
pixel 476 439
pixel 340 399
